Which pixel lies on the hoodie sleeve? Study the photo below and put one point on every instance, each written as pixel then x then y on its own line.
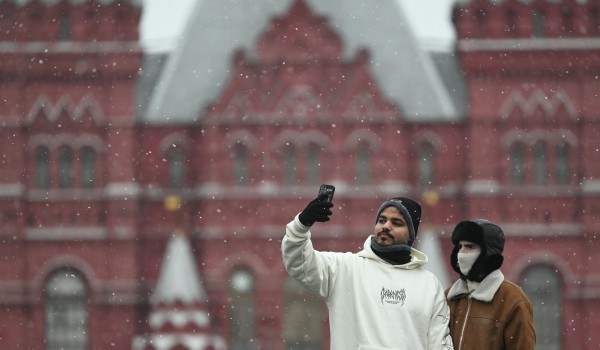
pixel 312 269
pixel 439 331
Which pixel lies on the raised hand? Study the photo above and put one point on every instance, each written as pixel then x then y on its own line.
pixel 317 210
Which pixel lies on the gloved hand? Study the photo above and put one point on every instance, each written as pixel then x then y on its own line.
pixel 317 210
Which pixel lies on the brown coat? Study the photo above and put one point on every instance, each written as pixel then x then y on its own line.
pixel 498 314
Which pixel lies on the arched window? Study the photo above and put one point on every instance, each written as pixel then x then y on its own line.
pixel 64 27
pixel 240 165
pixel 540 168
pixel 289 165
pixel 88 171
pixel 176 168
pixel 42 167
pixel 65 168
pixel 538 24
pixel 517 162
pixel 313 164
pixel 567 19
pixel 363 163
pixel 594 18
pixel 66 312
pixel 482 22
pixel 242 330
pixel 426 166
pixel 512 23
pixel 542 286
pixel 562 164
pixel 303 318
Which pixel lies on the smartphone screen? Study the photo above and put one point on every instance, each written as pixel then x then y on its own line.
pixel 328 191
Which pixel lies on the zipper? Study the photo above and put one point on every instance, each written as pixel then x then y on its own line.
pixel 462 331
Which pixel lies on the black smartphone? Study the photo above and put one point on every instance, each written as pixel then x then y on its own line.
pixel 328 191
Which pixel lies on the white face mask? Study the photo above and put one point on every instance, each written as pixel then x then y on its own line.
pixel 466 261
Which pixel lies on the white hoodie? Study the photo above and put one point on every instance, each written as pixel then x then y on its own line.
pixel 372 304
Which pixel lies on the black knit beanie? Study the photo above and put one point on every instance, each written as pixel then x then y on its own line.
pixel 411 211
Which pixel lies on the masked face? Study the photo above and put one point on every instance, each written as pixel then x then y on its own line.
pixel 467 255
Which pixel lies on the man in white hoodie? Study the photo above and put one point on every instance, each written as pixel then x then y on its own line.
pixel 379 298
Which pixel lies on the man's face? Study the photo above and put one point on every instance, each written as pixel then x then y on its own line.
pixel 391 227
pixel 468 247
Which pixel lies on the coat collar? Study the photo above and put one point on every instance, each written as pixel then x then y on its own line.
pixel 484 292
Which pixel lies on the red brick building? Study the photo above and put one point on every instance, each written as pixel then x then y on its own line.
pixel 143 198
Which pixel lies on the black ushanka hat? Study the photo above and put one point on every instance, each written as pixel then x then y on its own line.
pixel 489 237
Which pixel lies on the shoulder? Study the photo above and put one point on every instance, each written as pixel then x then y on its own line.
pixel 514 293
pixel 424 277
pixel 512 288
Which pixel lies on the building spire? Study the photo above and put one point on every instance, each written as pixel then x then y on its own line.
pixel 179 280
pixel 179 318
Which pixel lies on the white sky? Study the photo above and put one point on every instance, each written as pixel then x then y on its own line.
pixel 163 21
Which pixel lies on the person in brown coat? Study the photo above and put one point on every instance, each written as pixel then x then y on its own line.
pixel 487 312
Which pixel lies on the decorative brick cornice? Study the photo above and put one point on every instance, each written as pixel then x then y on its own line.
pixel 549 44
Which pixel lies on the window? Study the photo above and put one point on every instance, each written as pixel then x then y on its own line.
pixel 538 30
pixel 289 165
pixel 517 160
pixel 594 14
pixel 42 168
pixel 240 165
pixel 363 163
pixel 426 168
pixel 562 164
pixel 303 318
pixel 542 286
pixel 176 168
pixel 313 164
pixel 482 19
pixel 64 27
pixel 66 312
pixel 88 159
pixel 65 168
pixel 512 23
pixel 242 331
pixel 540 171
pixel 568 21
